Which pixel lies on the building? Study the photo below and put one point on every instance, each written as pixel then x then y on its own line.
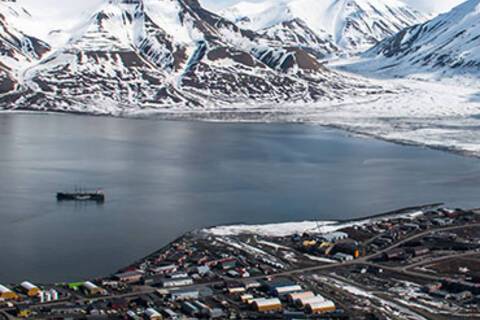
pixel 178 275
pixel 267 305
pixel 309 244
pixel 153 314
pixel 303 301
pixel 343 257
pixel 320 307
pixel 165 269
pixel 350 247
pixel 395 254
pixel 31 289
pixel 184 294
pixel 251 284
pixel 278 291
pixel 170 314
pixel 48 295
pixel 228 264
pixel 202 307
pixel 335 236
pixel 190 309
pixel 176 282
pixel 7 294
pixel 24 313
pixel 272 285
pixel 292 297
pixel 132 315
pixel 235 287
pixel 129 276
pixel 203 270
pixel 216 313
pixel 246 298
pixel 92 289
pixel 418 251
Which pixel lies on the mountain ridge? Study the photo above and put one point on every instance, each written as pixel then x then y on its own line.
pixel 159 54
pixel 351 25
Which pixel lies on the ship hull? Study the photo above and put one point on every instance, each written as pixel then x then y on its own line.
pixel 97 197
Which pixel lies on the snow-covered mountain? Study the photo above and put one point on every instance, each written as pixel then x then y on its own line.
pixel 138 54
pixel 449 43
pixel 352 25
pixel 17 49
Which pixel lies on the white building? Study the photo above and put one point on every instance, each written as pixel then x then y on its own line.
pixel 179 282
pixel 335 236
pixel 287 289
pixel 31 289
pixel 153 314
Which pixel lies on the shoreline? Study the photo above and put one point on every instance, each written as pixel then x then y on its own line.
pixel 206 116
pixel 341 223
pixel 328 225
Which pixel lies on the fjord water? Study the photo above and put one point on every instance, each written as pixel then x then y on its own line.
pixel 164 178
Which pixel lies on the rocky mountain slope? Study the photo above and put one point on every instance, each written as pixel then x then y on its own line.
pixel 157 54
pixel 449 43
pixel 328 26
pixel 17 49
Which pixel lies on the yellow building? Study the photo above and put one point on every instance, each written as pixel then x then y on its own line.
pixel 93 290
pixel 31 289
pixel 7 294
pixel 292 297
pixel 246 298
pixel 267 305
pixel 309 243
pixel 25 313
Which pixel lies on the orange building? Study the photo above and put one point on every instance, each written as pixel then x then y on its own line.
pixel 31 289
pixel 267 305
pixel 7 294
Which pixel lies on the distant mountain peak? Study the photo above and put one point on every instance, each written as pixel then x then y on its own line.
pixel 448 43
pixel 352 25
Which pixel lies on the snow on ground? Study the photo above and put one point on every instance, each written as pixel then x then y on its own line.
pixel 274 230
pixel 291 228
pixel 439 114
pixel 273 245
pixel 442 114
pixel 395 309
pixel 320 259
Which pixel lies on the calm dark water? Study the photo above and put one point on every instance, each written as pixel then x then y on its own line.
pixel 165 178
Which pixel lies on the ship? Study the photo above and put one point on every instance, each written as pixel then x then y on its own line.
pixel 97 196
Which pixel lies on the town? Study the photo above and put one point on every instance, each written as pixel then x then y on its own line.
pixel 416 263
